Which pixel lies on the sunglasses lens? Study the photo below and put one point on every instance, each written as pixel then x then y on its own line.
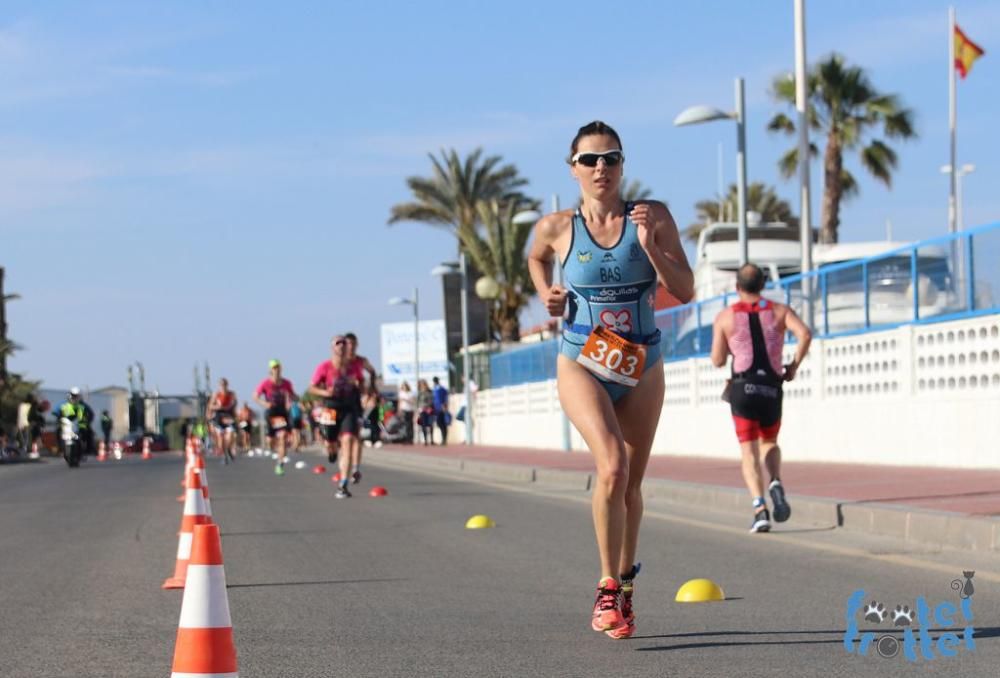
pixel 590 159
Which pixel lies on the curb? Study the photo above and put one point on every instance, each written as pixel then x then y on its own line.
pixel 916 526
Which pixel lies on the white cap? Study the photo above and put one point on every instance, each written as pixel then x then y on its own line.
pixel 75 390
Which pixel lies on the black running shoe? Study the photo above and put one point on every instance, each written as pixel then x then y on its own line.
pixel 782 511
pixel 343 492
pixel 331 457
pixel 761 522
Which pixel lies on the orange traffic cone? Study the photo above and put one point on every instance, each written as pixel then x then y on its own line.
pixel 190 462
pixel 146 453
pixel 102 451
pixel 203 480
pixel 194 514
pixel 204 644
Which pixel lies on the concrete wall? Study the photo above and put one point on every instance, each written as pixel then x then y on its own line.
pixel 923 395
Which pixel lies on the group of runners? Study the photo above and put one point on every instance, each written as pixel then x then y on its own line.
pixel 613 255
pixel 338 385
pixel 231 427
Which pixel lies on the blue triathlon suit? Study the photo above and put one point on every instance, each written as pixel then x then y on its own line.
pixel 610 286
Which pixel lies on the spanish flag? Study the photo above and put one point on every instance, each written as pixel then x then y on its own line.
pixel 966 52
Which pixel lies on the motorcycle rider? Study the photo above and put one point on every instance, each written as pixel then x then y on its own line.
pixel 75 409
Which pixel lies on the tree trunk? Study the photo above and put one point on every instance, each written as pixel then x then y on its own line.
pixel 3 332
pixel 507 318
pixel 833 166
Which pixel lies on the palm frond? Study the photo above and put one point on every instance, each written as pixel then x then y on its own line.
pixel 781 123
pixel 879 160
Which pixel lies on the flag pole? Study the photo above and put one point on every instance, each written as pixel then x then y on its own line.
pixel 958 273
pixel 952 115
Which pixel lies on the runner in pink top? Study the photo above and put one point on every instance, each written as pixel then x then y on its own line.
pixel 275 394
pixel 337 381
pixel 753 331
pixel 741 340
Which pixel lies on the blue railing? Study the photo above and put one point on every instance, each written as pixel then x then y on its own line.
pixel 945 278
pixel 535 362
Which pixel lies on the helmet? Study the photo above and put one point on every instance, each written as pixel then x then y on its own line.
pixel 75 391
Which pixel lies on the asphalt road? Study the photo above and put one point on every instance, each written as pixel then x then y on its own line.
pixel 397 587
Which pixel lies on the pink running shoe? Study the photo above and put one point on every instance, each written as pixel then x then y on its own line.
pixel 607 615
pixel 628 614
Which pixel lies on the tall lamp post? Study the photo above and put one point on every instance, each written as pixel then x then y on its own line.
pixel 699 114
pixel 528 217
pixel 461 268
pixel 415 302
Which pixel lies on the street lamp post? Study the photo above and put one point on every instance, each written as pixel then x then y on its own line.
pixel 445 269
pixel 558 280
pixel 699 114
pixel 415 302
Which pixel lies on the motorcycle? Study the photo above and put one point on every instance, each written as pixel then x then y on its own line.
pixel 72 444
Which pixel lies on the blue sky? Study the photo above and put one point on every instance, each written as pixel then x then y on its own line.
pixel 209 181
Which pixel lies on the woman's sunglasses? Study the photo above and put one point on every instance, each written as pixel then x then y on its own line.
pixel 338 342
pixel 588 159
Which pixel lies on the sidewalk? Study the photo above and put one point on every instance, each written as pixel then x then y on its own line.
pixel 937 506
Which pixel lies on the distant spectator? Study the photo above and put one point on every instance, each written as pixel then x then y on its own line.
pixel 425 407
pixel 407 403
pixel 442 416
pixel 24 422
pixel 106 426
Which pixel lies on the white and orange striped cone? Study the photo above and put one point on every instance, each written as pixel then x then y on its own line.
pixel 190 462
pixel 146 452
pixel 34 451
pixel 102 451
pixel 203 480
pixel 204 644
pixel 194 514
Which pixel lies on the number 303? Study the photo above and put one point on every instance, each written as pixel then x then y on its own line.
pixel 614 358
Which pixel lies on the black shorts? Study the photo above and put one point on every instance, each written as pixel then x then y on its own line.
pixel 348 420
pixel 277 421
pixel 224 422
pixel 756 401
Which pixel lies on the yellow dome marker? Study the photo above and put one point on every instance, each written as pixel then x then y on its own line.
pixel 478 522
pixel 699 591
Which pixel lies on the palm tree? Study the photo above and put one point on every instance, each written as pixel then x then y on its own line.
pixel 6 347
pixel 450 197
pixel 498 252
pixel 845 107
pixel 760 198
pixel 476 199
